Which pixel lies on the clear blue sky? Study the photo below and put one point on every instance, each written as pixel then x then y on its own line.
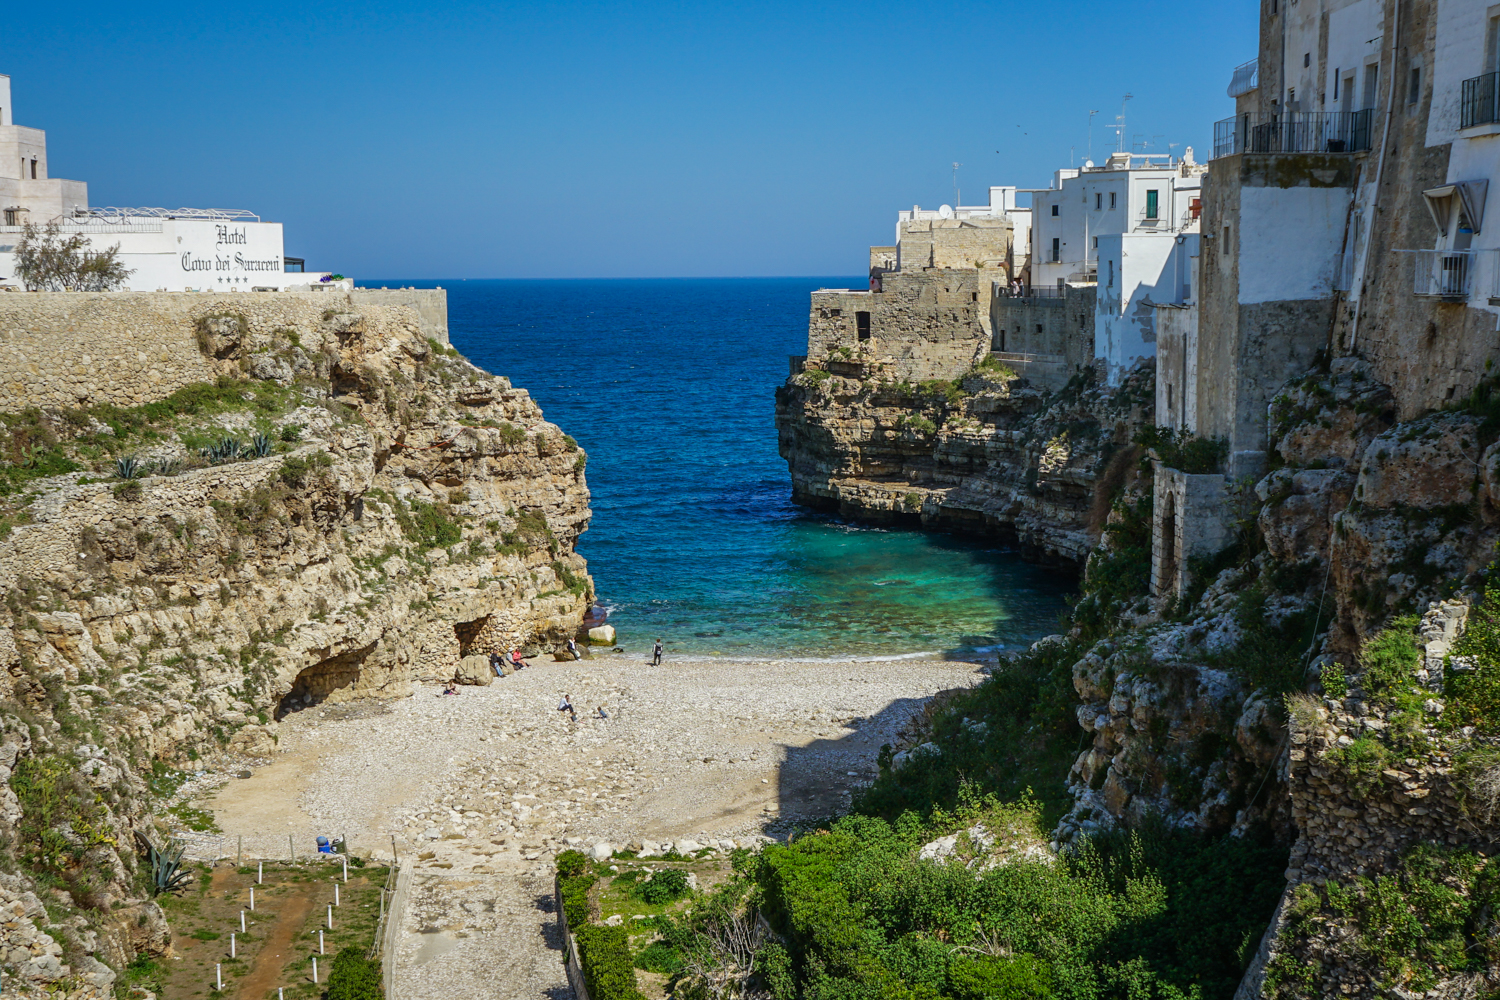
pixel 571 140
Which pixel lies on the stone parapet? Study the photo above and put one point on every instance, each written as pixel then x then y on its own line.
pixel 69 349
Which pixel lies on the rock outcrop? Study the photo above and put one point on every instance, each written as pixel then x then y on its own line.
pixel 350 509
pixel 986 454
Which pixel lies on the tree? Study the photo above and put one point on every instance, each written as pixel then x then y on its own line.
pixel 46 261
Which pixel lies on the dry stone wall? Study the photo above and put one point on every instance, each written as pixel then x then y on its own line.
pixel 67 349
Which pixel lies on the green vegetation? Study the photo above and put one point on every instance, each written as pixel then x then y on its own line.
pixel 1473 694
pixel 62 821
pixel 34 445
pixel 1434 916
pixel 297 470
pixel 1184 451
pixel 354 977
pixel 1120 575
pixel 1148 915
pixel 608 971
pixel 919 423
pixel 429 525
pixel 663 887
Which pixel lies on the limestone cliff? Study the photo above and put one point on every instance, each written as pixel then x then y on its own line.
pixel 987 453
pixel 348 507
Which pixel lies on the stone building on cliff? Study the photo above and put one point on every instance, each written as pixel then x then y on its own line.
pixel 1343 224
pixel 180 249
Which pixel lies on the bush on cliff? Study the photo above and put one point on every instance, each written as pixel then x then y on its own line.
pixel 608 972
pixel 1150 915
pixel 354 977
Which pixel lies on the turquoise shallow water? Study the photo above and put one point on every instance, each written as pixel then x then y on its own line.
pixel 668 384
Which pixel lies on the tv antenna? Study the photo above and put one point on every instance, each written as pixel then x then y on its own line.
pixel 1090 157
pixel 956 199
pixel 1119 125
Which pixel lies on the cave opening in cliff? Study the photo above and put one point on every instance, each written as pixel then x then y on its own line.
pixel 334 678
pixel 468 635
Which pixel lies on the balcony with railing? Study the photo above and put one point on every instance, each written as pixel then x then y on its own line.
pixel 1245 78
pixel 1455 275
pixel 1294 132
pixel 1479 102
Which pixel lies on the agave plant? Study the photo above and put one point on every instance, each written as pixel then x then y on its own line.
pixel 128 467
pixel 225 450
pixel 260 445
pixel 168 466
pixel 167 871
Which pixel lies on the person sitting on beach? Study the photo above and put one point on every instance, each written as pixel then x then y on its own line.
pixel 572 648
pixel 497 664
pixel 566 705
pixel 516 661
pixel 452 688
pixel 602 713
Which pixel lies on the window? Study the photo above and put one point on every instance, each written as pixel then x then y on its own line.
pixel 1414 86
pixel 1056 248
pixel 1152 207
pixel 1039 328
pixel 33 169
pixel 10 217
pixel 1096 243
pixel 1002 338
pixel 1306 59
pixel 1054 209
pixel 1098 201
pixel 862 325
pixel 1492 45
pixel 1335 84
pixel 1226 239
pixel 1372 80
pixel 1111 199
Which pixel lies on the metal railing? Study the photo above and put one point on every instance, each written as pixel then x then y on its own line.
pixel 1030 292
pixel 1450 274
pixel 1294 132
pixel 1479 102
pixel 1245 78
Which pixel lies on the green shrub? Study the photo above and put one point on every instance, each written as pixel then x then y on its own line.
pixel 665 886
pixel 570 863
pixel 1183 450
pixel 608 972
pixel 660 957
pixel 429 525
pixel 296 470
pixel 1390 658
pixel 1473 696
pixel 511 434
pixel 129 490
pixel 1018 977
pixel 1361 761
pixel 354 977
pixel 574 890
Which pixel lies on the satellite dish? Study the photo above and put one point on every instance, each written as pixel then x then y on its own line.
pixel 946 212
pixel 1087 164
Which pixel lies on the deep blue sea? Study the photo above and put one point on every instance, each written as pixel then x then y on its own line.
pixel 668 384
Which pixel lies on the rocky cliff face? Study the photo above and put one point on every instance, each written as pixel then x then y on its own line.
pixel 349 509
pixel 986 453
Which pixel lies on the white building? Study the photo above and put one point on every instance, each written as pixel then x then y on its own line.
pixel 166 249
pixel 1130 226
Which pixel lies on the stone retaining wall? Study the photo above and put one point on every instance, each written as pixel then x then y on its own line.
pixel 65 349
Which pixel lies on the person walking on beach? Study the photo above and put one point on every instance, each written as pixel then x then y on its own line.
pixel 656 654
pixel 566 705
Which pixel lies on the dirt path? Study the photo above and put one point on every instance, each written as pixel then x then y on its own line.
pixel 266 971
pixel 490 783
